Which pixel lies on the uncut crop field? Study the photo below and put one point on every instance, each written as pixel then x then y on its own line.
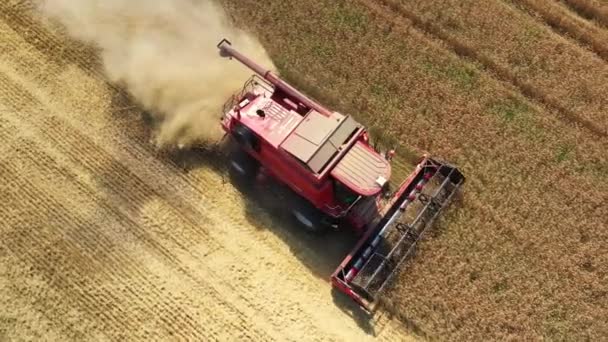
pixel 514 97
pixel 104 238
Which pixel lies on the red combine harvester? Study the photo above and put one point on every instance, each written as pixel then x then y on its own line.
pixel 338 179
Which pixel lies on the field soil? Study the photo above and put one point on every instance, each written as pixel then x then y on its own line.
pixel 104 238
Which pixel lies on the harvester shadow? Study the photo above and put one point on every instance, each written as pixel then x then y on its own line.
pixel 363 318
pixel 265 210
pixel 321 254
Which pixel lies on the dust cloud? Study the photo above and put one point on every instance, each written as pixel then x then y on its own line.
pixel 164 52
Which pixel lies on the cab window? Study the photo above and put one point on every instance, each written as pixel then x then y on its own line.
pixel 344 194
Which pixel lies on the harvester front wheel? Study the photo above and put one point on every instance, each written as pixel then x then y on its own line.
pixel 243 167
pixel 310 218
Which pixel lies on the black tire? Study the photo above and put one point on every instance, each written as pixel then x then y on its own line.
pixel 245 137
pixel 309 218
pixel 243 167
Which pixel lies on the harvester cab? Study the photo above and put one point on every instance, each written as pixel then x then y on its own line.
pixel 326 160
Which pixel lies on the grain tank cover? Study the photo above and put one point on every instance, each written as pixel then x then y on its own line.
pixel 318 138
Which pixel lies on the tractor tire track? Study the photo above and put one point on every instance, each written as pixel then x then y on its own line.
pixel 590 10
pixel 90 304
pixel 389 8
pixel 44 162
pixel 562 23
pixel 77 148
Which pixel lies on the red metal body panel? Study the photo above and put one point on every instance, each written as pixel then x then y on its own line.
pixel 279 121
pixel 363 171
pixel 278 163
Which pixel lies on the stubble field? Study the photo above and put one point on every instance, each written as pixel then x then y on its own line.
pixel 102 237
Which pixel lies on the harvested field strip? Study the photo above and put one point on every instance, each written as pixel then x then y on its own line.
pixel 67 219
pixel 59 211
pixel 142 235
pixel 52 124
pixel 44 164
pixel 79 149
pixel 23 318
pixel 559 18
pixel 503 73
pixel 91 158
pixel 590 9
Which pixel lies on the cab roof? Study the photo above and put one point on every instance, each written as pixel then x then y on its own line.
pixel 362 170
